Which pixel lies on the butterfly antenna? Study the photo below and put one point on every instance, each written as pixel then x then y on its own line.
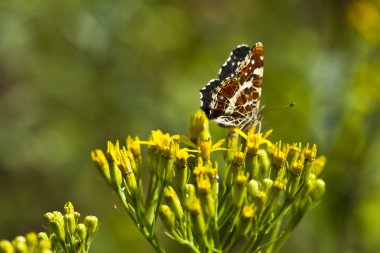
pixel 263 109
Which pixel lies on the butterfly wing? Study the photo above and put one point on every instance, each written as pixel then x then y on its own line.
pixel 236 57
pixel 234 100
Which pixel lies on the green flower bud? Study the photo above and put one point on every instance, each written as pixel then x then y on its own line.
pixel 189 195
pixel 205 196
pixel 260 200
pixel 264 160
pixel 43 242
pixel 232 144
pixel 167 217
pixel 197 218
pixel 69 223
pixel 19 244
pixel 172 199
pixel 253 188
pixel 6 247
pixel 77 216
pixel 236 167
pixel 31 240
pixel 267 184
pixel 42 236
pixel 59 230
pixel 168 149
pixel 92 224
pixel 116 175
pixel 181 170
pixel 239 189
pixel 131 183
pixel 54 241
pixel 318 188
pixel 68 208
pixel 56 223
pixel 102 164
pixel 48 217
pixel 319 164
pixel 81 232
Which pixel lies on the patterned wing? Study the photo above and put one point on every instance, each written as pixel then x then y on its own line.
pixel 234 60
pixel 234 101
pixel 252 69
pixel 209 96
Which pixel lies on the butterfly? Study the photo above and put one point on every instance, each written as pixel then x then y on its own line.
pixel 233 100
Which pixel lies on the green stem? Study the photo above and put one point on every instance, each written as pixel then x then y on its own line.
pixel 288 230
pixel 131 212
pixel 272 237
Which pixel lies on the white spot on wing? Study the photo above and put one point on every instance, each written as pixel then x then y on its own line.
pixel 259 71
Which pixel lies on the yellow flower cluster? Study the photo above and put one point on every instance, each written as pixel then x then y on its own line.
pixel 212 207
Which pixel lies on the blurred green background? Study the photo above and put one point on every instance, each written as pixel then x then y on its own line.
pixel 74 74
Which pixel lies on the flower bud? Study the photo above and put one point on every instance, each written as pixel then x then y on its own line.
pixel 264 161
pixel 69 223
pixel 245 219
pixel 232 144
pixel 239 189
pixel 172 199
pixel 318 188
pixel 260 200
pixel 131 183
pixel 31 240
pixel 116 176
pixel 197 218
pixel 167 217
pixel 189 195
pixel 133 144
pixel 199 127
pixel 205 196
pixel 253 188
pixel 310 154
pixel 44 242
pixel 297 165
pixel 280 154
pixel 92 224
pixel 267 184
pixel 81 232
pixel 6 247
pixel 236 166
pixel 102 164
pixel 181 170
pixel 58 229
pixel 42 236
pixel 56 223
pixel 19 244
pixel 319 164
pixel 68 208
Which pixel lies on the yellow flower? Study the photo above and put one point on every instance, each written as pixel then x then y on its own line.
pixel 133 145
pixel 255 140
pixel 280 154
pixel 199 127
